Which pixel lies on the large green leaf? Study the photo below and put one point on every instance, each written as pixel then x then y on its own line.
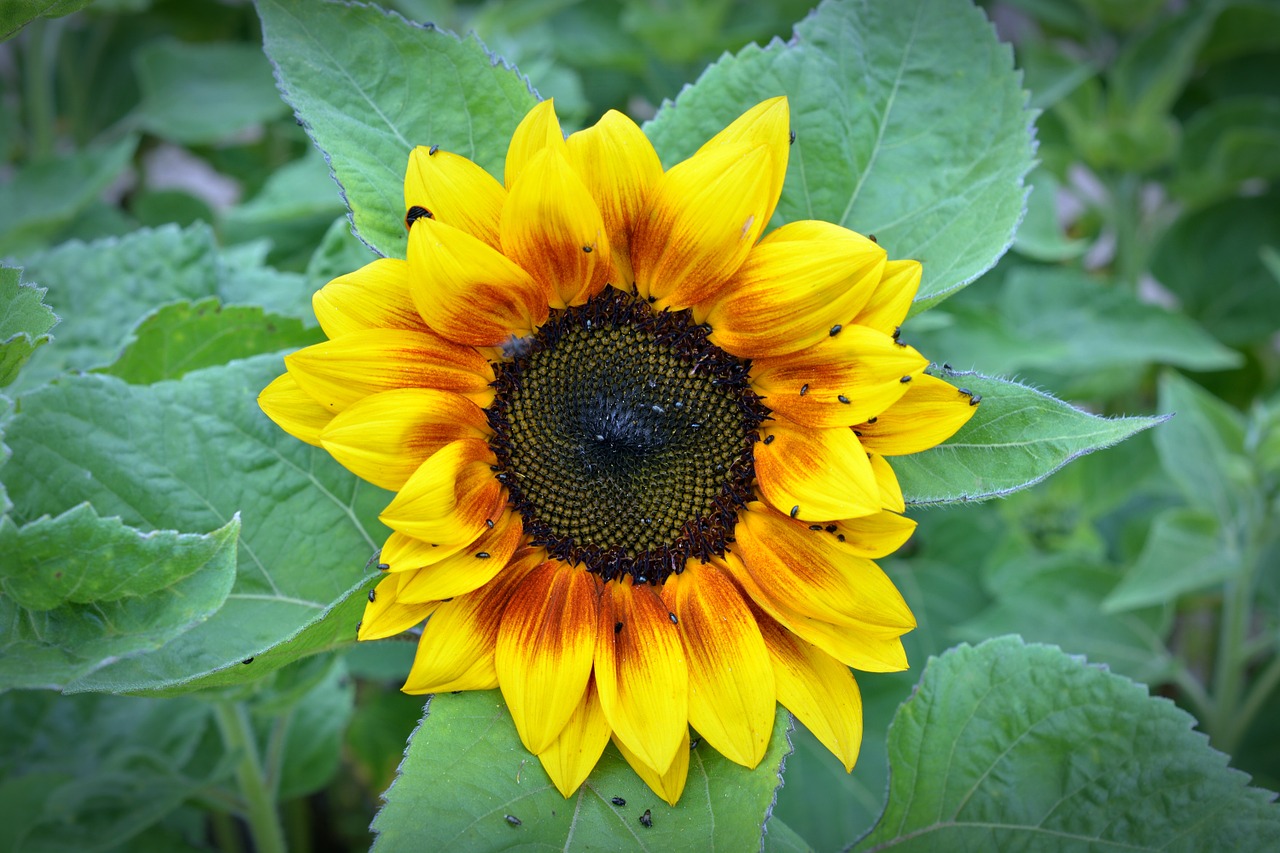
pixel 42 198
pixel 910 124
pixel 1186 551
pixel 368 101
pixel 78 592
pixel 16 14
pixel 189 455
pixel 1008 746
pixel 1017 437
pixel 203 92
pixel 25 322
pixel 1227 143
pixel 465 771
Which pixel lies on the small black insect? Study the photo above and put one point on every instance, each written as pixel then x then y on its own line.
pixel 415 213
pixel 646 819
pixel 617 627
pixel 482 555
pixel 904 380
pixel 946 366
pixel 835 330
pixel 791 138
pixel 872 420
pixel 975 399
pixel 618 801
pixel 674 620
pixel 373 596
pixel 768 439
pixel 804 389
pixel 382 567
pixel 512 819
pixel 897 332
pixel 872 238
pixel 359 625
pixel 488 522
pixel 815 527
pixel 693 744
pixel 795 510
pixel 247 661
pixel 965 391
pixel 587 249
pixel 432 150
pixel 843 399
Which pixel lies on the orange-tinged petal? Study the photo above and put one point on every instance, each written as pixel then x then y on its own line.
pixel 294 410
pixel 704 216
pixel 385 615
pixel 928 414
pixel 891 300
pixel 449 497
pixel 815 474
pixel 571 757
pixel 337 373
pixel 376 296
pixel 468 292
pixel 456 649
pixel 731 691
pixel 552 228
pixel 669 783
pixel 469 568
pixel 641 672
pixel 843 380
pixel 538 129
pixel 803 281
pixel 876 535
pixel 890 492
pixel 768 123
pixel 870 648
pixel 454 191
pixel 818 689
pixel 545 649
pixel 620 168
pixel 384 437
pixel 807 571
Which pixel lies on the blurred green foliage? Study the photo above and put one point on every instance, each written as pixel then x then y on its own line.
pixel 1145 279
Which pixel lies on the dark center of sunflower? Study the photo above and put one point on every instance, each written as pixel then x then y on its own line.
pixel 625 437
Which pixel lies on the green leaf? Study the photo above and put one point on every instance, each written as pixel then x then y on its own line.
pixel 88 773
pixel 1153 69
pixel 1185 552
pixel 1211 261
pixel 1202 450
pixel 203 92
pixel 185 336
pixel 1226 144
pixel 339 253
pixel 190 455
pixel 470 739
pixel 16 14
pixel 367 102
pixel 1018 437
pixel 1041 236
pixel 80 592
pixel 42 198
pixel 910 124
pixel 1011 746
pixel 317 718
pixel 1058 599
pixel 25 322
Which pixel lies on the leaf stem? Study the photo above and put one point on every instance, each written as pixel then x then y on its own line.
pixel 1229 667
pixel 41 46
pixel 1257 694
pixel 260 812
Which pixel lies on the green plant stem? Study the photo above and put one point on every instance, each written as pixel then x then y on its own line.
pixel 1257 694
pixel 1229 666
pixel 38 71
pixel 224 832
pixel 1126 218
pixel 1193 691
pixel 260 811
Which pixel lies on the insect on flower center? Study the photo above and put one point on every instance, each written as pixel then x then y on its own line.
pixel 625 437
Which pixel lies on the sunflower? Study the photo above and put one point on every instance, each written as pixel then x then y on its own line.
pixel 638 449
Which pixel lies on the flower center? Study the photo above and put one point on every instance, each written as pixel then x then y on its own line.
pixel 625 437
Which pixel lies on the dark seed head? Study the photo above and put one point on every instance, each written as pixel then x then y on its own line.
pixel 618 801
pixel 646 819
pixel 512 819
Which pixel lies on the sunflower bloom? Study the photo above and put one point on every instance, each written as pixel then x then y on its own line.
pixel 639 446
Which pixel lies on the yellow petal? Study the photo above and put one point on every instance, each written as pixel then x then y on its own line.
pixel 768 123
pixel 815 474
pixel 891 300
pixel 545 649
pixel 469 292
pixel 641 672
pixel 294 410
pixel 842 380
pixel 807 571
pixel 818 689
pixel 469 568
pixel 384 437
pixel 337 373
pixel 928 414
pixel 456 649
pixel 571 757
pixel 454 191
pixel 449 497
pixel 552 229
pixel 703 218
pixel 890 492
pixel 803 281
pixel 620 168
pixel 669 783
pixel 376 296
pixel 731 690
pixel 870 648
pixel 385 615
pixel 538 129
pixel 876 535
pixel 401 553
